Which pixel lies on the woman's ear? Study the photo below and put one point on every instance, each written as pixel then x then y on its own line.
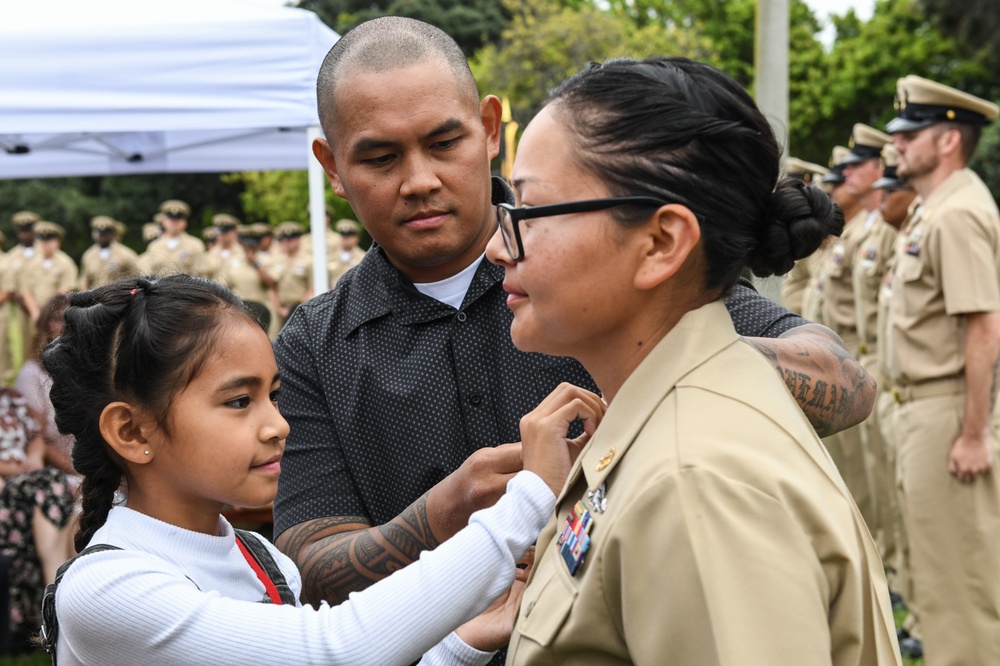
pixel 672 234
pixel 126 429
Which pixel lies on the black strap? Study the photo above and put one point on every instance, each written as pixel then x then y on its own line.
pixel 267 563
pixel 48 634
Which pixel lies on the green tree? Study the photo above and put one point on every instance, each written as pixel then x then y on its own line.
pixel 546 42
pixel 472 23
pixel 856 81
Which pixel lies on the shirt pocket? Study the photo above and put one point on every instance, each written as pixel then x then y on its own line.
pixel 547 604
pixel 910 268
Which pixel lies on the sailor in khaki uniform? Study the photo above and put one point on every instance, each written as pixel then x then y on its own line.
pixel 833 182
pixel 796 281
pixel 175 251
pixel 292 269
pixel 698 555
pixel 49 272
pixel 943 354
pixel 862 167
pixel 227 247
pixel 349 255
pixel 106 260
pixel 869 267
pixel 703 523
pixel 17 258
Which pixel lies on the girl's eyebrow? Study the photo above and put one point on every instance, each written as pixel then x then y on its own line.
pixel 247 381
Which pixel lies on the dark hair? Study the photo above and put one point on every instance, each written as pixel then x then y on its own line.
pixel 53 308
pixel 383 44
pixel 140 341
pixel 969 136
pixel 686 132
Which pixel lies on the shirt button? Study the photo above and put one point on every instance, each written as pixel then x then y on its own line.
pixel 475 399
pixel 461 316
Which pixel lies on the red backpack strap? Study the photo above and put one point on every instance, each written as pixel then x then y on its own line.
pixel 268 573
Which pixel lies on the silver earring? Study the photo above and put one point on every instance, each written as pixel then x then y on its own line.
pixel 146 452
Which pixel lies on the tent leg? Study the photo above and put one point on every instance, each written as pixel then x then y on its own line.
pixel 317 216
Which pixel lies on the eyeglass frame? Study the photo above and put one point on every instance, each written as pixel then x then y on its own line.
pixel 506 208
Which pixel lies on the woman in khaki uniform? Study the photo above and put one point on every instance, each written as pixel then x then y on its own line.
pixel 704 522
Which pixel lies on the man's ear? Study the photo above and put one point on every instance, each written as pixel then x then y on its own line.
pixel 671 235
pixel 127 430
pixel 324 154
pixel 950 141
pixel 491 111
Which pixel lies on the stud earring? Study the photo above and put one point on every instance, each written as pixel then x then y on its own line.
pixel 146 452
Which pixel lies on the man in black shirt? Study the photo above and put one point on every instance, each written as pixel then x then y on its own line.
pixel 400 384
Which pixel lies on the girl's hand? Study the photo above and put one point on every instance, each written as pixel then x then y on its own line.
pixel 546 450
pixel 490 630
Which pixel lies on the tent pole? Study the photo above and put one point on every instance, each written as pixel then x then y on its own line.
pixel 317 216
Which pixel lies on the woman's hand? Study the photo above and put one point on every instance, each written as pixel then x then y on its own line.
pixel 546 450
pixel 490 630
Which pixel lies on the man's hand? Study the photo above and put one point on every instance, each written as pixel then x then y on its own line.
pixel 477 484
pixel 970 456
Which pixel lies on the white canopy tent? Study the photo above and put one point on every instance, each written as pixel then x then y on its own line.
pixel 101 87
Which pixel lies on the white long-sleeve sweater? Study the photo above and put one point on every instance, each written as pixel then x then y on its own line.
pixel 173 596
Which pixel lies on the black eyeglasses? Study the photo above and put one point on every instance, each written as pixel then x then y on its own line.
pixel 509 215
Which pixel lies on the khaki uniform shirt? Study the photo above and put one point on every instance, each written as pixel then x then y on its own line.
pixel 16 258
pixel 947 264
pixel 798 282
pixel 293 275
pixel 726 537
pixel 838 291
pixel 173 255
pixel 103 266
pixel 212 263
pixel 44 278
pixel 339 264
pixel 869 268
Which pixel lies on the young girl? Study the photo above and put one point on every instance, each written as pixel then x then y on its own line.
pixel 170 389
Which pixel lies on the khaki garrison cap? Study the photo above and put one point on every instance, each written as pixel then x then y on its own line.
pixel 103 223
pixel 921 103
pixel 804 171
pixel 175 209
pixel 349 227
pixel 225 222
pixel 25 218
pixel 289 230
pixel 46 230
pixel 889 179
pixel 866 144
pixel 835 176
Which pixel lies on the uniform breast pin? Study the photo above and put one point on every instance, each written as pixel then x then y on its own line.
pixel 606 459
pixel 597 499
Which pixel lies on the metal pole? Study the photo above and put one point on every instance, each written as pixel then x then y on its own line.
pixel 317 216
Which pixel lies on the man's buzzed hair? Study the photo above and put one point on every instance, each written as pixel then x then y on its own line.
pixel 383 44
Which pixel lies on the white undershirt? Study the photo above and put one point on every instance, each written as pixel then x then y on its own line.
pixel 451 290
pixel 174 596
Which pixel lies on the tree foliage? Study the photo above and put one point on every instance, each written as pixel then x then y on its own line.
pixel 472 23
pixel 277 196
pixel 545 42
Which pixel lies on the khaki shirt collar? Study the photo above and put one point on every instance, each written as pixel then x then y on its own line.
pixel 698 336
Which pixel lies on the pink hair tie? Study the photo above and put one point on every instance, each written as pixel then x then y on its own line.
pixel 133 292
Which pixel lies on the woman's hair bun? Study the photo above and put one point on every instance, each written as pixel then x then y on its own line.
pixel 799 218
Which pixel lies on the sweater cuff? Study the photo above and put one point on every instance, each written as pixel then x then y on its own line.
pixel 517 518
pixel 456 652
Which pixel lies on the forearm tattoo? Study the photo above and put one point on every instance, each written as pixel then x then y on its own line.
pixel 828 383
pixel 335 562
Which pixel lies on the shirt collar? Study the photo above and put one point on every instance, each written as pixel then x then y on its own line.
pixel 377 288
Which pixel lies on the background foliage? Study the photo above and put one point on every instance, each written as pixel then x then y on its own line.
pixel 520 48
